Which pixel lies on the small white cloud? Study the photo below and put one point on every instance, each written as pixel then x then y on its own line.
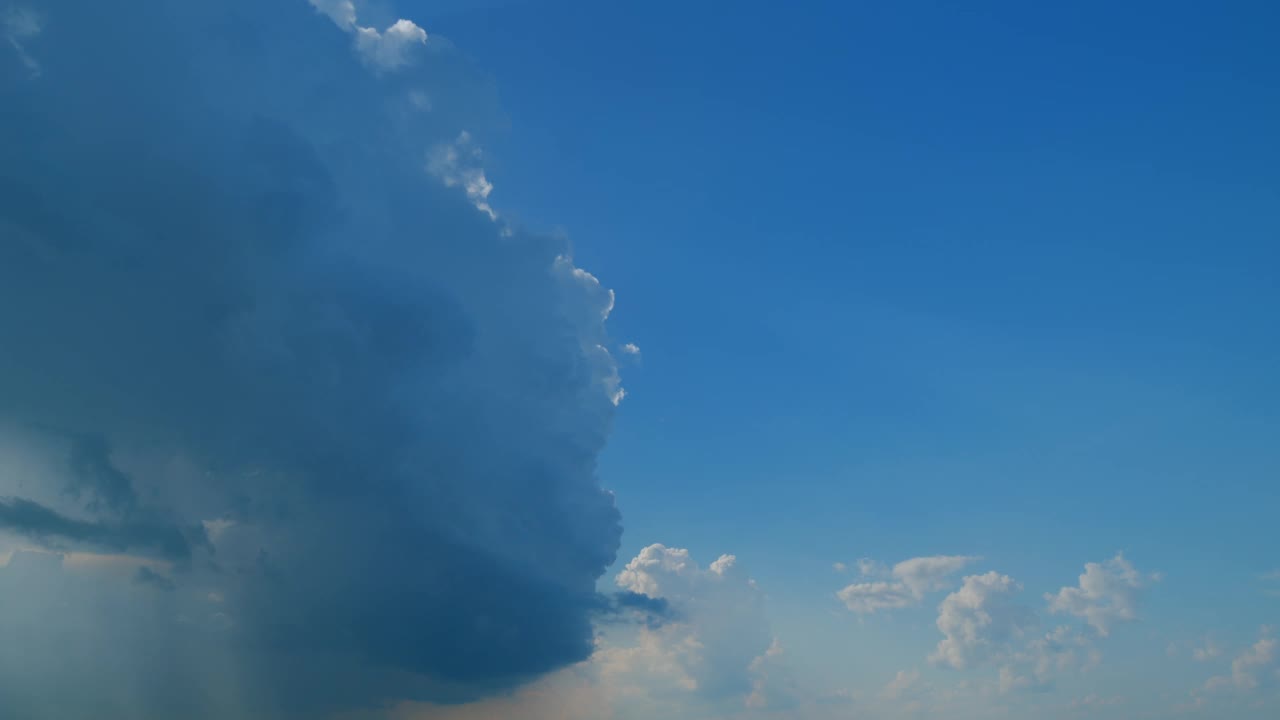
pixel 391 48
pixel 644 572
pixel 840 567
pixel 868 567
pixel 1210 651
pixel 1246 668
pixel 723 564
pixel 631 349
pixel 911 580
pixel 420 100
pixel 1256 667
pixel 457 164
pixel 386 50
pixel 214 529
pixel 1107 593
pixel 901 683
pixel 342 12
pixel 929 574
pixel 17 25
pixel 871 597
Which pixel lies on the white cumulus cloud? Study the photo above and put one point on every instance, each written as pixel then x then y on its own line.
pixel 1107 593
pixel 978 620
pixel 716 646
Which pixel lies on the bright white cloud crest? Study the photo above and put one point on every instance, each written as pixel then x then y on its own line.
pixel 388 49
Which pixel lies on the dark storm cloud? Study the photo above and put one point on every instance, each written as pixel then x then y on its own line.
pixel 358 412
pixel 632 607
pixel 147 576
pixel 38 522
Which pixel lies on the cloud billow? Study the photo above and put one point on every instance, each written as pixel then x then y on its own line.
pixel 224 257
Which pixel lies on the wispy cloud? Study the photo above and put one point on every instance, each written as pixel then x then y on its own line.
pixel 904 585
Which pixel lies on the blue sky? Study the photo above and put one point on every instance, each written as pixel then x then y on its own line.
pixel 983 296
pixel 987 280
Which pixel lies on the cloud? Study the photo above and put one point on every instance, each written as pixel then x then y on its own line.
pixel 1271 579
pixel 901 682
pixel 1094 702
pixel 1210 651
pixel 457 165
pixel 147 576
pixel 342 12
pixel 1252 668
pixel 389 49
pixel 643 573
pixel 928 574
pixel 718 649
pixel 772 686
pixel 1107 593
pixel 868 598
pixel 1038 664
pixel 39 523
pixel 18 25
pixel 982 623
pixel 247 334
pixel 1245 668
pixel 631 349
pixel 911 580
pixel 573 694
pixel 978 620
pixel 712 657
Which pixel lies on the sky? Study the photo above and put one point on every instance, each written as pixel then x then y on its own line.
pixel 480 359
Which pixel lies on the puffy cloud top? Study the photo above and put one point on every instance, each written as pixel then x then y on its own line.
pixel 1106 594
pixel 716 645
pixel 978 619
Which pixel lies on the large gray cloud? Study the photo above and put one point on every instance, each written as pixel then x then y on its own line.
pixel 248 335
